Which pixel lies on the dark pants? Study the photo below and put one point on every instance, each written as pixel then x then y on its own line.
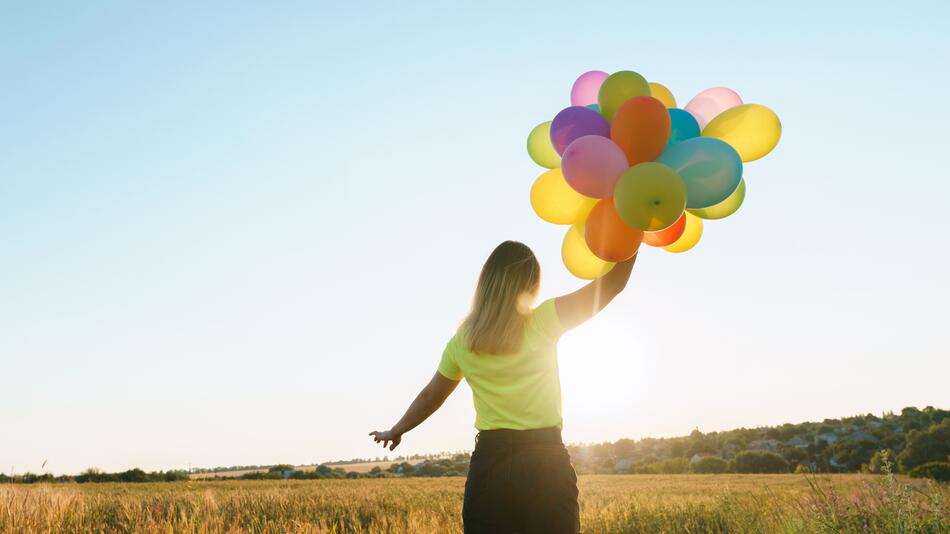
pixel 521 481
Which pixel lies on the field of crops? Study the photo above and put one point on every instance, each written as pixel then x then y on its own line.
pixel 609 504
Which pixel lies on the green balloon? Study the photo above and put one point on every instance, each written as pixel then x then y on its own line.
pixel 540 148
pixel 725 208
pixel 618 88
pixel 650 196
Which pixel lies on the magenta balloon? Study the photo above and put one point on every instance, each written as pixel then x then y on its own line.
pixel 587 87
pixel 574 122
pixel 592 164
pixel 711 102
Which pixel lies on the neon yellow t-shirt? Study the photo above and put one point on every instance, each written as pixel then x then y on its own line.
pixel 519 391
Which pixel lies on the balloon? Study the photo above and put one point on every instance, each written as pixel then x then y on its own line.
pixel 683 126
pixel 574 122
pixel 711 102
pixel 641 127
pixel 586 87
pixel 592 164
pixel 710 168
pixel 578 259
pixel 540 148
pixel 691 235
pixel 650 196
pixel 723 209
pixel 594 107
pixel 607 236
pixel 751 129
pixel 661 93
pixel 667 235
pixel 555 202
pixel 618 88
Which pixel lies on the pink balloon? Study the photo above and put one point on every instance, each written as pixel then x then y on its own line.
pixel 586 88
pixel 711 102
pixel 592 164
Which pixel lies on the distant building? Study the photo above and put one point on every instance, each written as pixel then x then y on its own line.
pixel 836 464
pixel 827 437
pixel 699 456
pixel 768 445
pixel 798 442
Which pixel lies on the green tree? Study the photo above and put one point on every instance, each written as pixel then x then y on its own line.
pixel 709 464
pixel 932 445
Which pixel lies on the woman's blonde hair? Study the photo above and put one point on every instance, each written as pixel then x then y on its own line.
pixel 496 322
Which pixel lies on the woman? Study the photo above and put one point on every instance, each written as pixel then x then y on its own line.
pixel 520 478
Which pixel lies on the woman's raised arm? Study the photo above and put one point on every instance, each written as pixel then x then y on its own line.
pixel 579 306
pixel 427 402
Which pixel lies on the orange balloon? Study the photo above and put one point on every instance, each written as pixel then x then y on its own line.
pixel 607 236
pixel 666 236
pixel 641 128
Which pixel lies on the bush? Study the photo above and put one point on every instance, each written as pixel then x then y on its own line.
pixel 935 470
pixel 709 464
pixel 673 466
pixel 760 462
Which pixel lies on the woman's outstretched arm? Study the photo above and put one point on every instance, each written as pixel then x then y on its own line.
pixel 427 402
pixel 579 306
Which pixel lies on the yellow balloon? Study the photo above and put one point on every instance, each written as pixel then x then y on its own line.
pixel 661 93
pixel 751 129
pixel 691 235
pixel 556 202
pixel 725 208
pixel 578 258
pixel 618 88
pixel 540 148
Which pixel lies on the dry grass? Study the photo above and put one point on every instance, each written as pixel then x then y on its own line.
pixel 609 504
pixel 362 467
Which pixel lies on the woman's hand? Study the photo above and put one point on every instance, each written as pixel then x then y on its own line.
pixel 386 436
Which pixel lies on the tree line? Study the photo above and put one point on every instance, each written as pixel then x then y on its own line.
pixel 915 441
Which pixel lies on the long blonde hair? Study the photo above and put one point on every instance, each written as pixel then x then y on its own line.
pixel 496 322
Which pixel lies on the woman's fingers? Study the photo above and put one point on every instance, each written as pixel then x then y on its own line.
pixel 385 438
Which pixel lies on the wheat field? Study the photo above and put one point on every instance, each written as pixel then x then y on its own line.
pixel 609 504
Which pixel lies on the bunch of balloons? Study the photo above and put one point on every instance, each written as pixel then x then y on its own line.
pixel 629 167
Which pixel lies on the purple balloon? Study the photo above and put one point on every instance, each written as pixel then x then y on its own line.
pixel 575 122
pixel 592 164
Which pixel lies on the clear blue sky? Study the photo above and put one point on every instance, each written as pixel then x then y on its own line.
pixel 235 234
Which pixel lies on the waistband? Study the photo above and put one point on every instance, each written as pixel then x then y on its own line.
pixel 508 437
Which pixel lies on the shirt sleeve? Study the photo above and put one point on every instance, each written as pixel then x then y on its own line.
pixel 546 320
pixel 448 366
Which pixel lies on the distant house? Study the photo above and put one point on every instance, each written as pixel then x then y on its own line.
pixel 699 456
pixel 798 442
pixel 768 445
pixel 827 437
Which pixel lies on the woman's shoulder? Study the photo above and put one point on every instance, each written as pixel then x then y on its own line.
pixel 544 318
